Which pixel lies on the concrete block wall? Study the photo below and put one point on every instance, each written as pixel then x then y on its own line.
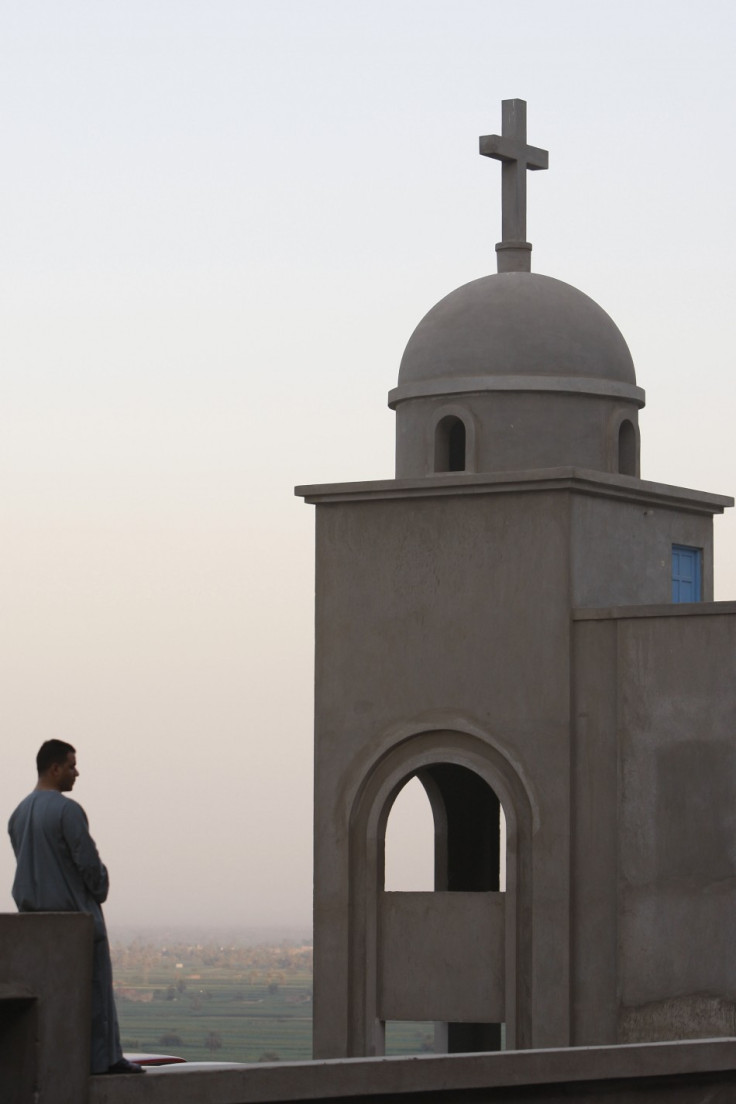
pixel 45 988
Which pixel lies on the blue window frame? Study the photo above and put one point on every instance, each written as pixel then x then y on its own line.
pixel 686 573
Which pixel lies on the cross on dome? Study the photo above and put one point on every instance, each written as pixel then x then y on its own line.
pixel 510 147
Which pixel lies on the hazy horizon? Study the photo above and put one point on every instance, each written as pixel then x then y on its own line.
pixel 221 224
pixel 223 934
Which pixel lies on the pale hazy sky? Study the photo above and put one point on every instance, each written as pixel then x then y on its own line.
pixel 219 224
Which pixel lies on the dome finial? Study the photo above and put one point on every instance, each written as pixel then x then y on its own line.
pixel 510 147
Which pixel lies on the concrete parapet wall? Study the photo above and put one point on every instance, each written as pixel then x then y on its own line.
pixel 45 987
pixel 702 1072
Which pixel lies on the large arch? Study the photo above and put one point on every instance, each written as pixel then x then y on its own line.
pixel 421 752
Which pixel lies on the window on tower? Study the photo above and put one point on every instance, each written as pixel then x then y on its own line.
pixel 626 448
pixel 450 444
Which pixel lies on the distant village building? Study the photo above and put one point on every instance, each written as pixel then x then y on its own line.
pixel 521 622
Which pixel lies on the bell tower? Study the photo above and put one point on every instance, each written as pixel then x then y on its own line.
pixel 449 606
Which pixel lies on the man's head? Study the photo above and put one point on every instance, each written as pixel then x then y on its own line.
pixel 56 763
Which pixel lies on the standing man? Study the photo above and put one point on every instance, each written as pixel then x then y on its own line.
pixel 59 870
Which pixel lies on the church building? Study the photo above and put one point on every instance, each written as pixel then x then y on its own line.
pixel 524 624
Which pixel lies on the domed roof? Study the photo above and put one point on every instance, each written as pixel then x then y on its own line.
pixel 516 331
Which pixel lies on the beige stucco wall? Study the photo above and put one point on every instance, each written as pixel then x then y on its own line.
pixel 655 823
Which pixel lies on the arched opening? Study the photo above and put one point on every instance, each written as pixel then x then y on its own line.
pixel 455 956
pixel 409 845
pixel 467 829
pixel 626 448
pixel 450 443
pixel 445 835
pixel 409 842
pixel 411 836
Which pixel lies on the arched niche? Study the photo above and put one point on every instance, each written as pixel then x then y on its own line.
pixel 452 441
pixel 467 781
pixel 628 449
pixel 450 445
pixel 624 443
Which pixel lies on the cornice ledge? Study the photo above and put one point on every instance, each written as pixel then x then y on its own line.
pixel 575 385
pixel 674 609
pixel 580 480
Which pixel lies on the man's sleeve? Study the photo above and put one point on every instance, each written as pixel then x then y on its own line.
pixel 83 851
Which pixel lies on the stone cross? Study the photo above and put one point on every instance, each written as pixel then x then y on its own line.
pixel 510 147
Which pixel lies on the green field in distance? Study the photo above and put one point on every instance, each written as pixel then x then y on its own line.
pixel 211 1001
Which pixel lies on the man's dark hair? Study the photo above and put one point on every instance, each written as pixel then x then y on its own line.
pixel 50 752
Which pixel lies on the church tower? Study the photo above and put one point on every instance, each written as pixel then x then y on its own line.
pixel 504 621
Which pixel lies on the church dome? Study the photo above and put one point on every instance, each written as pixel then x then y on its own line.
pixel 516 371
pixel 516 331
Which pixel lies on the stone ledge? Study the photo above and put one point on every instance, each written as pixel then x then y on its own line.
pixel 579 480
pixel 475 385
pixel 687 1071
pixel 16 992
pixel 675 609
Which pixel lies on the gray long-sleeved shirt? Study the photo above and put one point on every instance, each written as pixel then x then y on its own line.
pixel 59 869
